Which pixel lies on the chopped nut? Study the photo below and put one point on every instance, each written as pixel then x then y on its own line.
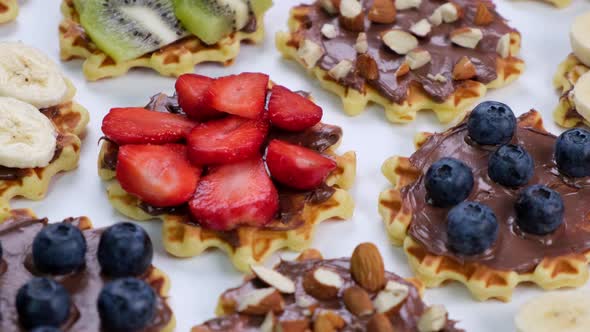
pixel 399 41
pixel 274 279
pixel 386 300
pixel 261 301
pixel 304 301
pixel 322 283
pixel 451 12
pixel 402 70
pixel 436 17
pixel 438 78
pixel 483 16
pixel 328 321
pixel 382 11
pixel 367 268
pixel 433 319
pixel 379 323
pixel 340 70
pixel 361 45
pixel 329 6
pixel 351 15
pixel 329 31
pixel 417 58
pixel 310 53
pixel 421 28
pixel 397 287
pixel 309 254
pixel 293 325
pixel 268 324
pixel 367 67
pixel 357 301
pixel 466 37
pixel 503 47
pixel 407 4
pixel 464 69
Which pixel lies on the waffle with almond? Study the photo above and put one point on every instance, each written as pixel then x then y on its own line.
pixel 236 207
pixel 380 52
pixel 513 236
pixel 8 10
pixel 173 59
pixel 79 278
pixel 313 293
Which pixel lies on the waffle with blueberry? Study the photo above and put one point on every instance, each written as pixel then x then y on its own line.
pixel 493 202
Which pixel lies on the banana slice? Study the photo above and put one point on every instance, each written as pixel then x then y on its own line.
pixel 27 137
pixel 580 38
pixel 559 311
pixel 581 96
pixel 29 75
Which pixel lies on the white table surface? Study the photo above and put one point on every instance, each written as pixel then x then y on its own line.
pixel 197 282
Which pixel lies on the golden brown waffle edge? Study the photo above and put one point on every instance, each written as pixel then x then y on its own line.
pixel 568 73
pixel 483 282
pixel 8 10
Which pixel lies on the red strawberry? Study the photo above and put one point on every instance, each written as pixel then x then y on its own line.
pixel 226 141
pixel 243 94
pixel 192 97
pixel 141 126
pixel 235 194
pixel 291 111
pixel 296 166
pixel 160 175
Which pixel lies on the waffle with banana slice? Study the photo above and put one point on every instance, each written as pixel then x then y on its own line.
pixel 389 54
pixel 114 36
pixel 236 206
pixel 8 10
pixel 492 203
pixel 41 123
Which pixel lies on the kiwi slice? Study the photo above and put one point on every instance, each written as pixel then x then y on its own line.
pixel 128 29
pixel 212 20
pixel 259 7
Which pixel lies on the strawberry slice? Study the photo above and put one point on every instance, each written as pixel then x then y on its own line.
pixel 243 94
pixel 160 175
pixel 192 97
pixel 226 141
pixel 235 194
pixel 135 125
pixel 291 111
pixel 296 166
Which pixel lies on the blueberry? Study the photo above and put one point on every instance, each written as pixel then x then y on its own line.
pixel 491 123
pixel 539 210
pixel 45 329
pixel 471 228
pixel 511 166
pixel 448 182
pixel 42 302
pixel 59 249
pixel 572 152
pixel 127 304
pixel 125 250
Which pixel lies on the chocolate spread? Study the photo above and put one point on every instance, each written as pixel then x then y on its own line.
pixel 16 235
pixel 291 202
pixel 513 250
pixel 444 54
pixel 404 321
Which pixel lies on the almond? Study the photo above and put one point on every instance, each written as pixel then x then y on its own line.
pixel 466 37
pixel 367 67
pixel 309 254
pixel 421 28
pixel 379 323
pixel 340 70
pixel 329 6
pixel 322 283
pixel 407 4
pixel 437 78
pixel 274 279
pixel 503 47
pixel 357 301
pixel 366 267
pixel 329 31
pixel 304 301
pixel 418 58
pixel 351 15
pixel 389 301
pixel 403 70
pixel 483 15
pixel 293 325
pixel 464 69
pixel 436 17
pixel 382 11
pixel 310 53
pixel 362 45
pixel 268 325
pixel 451 12
pixel 261 301
pixel 433 319
pixel 328 321
pixel 399 41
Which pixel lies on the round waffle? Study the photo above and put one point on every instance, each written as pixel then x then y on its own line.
pixel 8 10
pixel 355 101
pixel 483 281
pixel 172 60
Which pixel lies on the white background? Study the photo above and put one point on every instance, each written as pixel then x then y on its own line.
pixel 197 282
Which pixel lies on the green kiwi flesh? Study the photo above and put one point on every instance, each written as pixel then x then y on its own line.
pixel 128 29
